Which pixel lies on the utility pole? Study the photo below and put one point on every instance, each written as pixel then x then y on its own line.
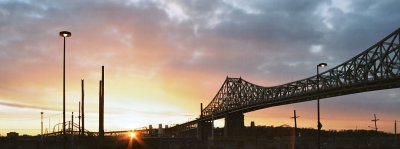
pixel 295 123
pixel 83 107
pixel 375 120
pixel 72 124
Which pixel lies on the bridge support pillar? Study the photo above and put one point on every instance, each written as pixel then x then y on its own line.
pixel 199 130
pixel 234 124
pixel 203 130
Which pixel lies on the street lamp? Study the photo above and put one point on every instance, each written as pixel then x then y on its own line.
pixel 319 122
pixel 64 34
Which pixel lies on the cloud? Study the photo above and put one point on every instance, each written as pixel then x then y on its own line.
pixel 18 105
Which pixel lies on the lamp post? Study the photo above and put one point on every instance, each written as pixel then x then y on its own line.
pixel 319 122
pixel 64 34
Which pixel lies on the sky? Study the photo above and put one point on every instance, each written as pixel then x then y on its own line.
pixel 163 58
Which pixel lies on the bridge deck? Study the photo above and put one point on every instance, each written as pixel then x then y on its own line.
pixel 376 68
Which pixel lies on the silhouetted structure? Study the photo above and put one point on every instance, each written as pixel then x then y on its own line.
pixel 72 123
pixel 375 120
pixel 12 134
pixel 64 34
pixel 319 125
pixel 251 138
pixel 83 107
pixel 374 69
pixel 101 109
pixel 295 122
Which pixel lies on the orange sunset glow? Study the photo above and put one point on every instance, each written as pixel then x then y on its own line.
pixel 163 58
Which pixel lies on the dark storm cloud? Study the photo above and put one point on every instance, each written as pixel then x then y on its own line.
pixel 263 36
pixel 277 34
pixel 283 33
pixel 276 42
pixel 366 24
pixel 267 34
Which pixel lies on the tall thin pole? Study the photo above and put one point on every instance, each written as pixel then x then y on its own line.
pixel 201 110
pixel 64 134
pixel 375 120
pixel 295 122
pixel 101 108
pixel 102 101
pixel 83 107
pixel 72 124
pixel 319 125
pixel 319 122
pixel 64 34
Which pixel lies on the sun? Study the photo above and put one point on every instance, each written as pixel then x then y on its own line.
pixel 132 134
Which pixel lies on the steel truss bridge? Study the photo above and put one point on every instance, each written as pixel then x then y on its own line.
pixel 376 68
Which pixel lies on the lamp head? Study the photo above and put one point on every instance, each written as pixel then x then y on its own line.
pixel 65 34
pixel 322 64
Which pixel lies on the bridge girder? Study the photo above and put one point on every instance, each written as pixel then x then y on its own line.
pixel 376 68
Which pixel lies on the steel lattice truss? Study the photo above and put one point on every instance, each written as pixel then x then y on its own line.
pixel 376 68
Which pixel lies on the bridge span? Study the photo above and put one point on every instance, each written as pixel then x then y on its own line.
pixel 376 68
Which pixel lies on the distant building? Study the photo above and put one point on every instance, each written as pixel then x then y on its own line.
pixel 12 134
